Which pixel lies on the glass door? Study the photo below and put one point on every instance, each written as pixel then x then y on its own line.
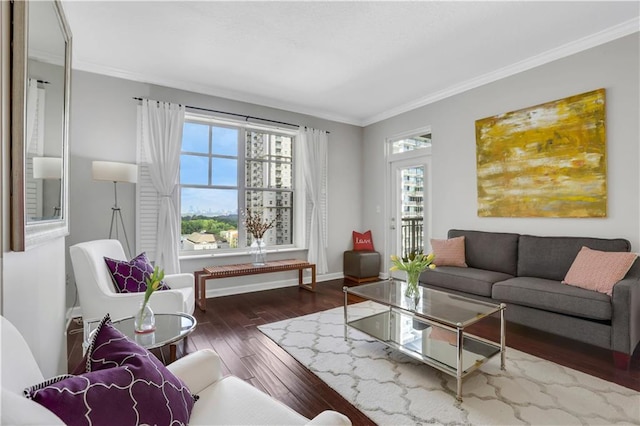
pixel 409 161
pixel 408 206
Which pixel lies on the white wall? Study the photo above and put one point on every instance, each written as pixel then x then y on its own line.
pixel 34 301
pixel 613 66
pixel 103 127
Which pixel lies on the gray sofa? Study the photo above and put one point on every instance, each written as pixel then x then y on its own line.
pixel 525 272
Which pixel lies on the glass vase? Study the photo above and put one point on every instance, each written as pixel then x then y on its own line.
pixel 258 252
pixel 145 320
pixel 413 289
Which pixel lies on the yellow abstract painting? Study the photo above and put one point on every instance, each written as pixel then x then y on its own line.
pixel 548 160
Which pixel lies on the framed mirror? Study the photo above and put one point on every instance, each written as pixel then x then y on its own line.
pixel 40 80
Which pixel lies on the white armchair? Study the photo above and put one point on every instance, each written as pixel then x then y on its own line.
pixel 232 401
pixel 97 293
pixel 223 400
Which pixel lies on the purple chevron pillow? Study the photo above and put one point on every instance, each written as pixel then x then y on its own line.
pixel 124 384
pixel 131 276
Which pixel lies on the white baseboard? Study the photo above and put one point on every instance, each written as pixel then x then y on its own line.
pixel 270 285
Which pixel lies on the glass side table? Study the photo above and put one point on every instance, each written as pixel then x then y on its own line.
pixel 170 329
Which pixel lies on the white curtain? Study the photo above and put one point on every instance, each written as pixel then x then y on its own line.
pixel 314 152
pixel 162 125
pixel 32 111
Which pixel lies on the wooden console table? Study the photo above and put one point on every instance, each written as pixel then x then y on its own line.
pixel 242 269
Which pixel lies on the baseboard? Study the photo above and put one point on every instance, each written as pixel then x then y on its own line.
pixel 270 285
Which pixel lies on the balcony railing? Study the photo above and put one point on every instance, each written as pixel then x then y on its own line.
pixel 412 235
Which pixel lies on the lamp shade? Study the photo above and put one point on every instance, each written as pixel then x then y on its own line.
pixel 47 168
pixel 115 172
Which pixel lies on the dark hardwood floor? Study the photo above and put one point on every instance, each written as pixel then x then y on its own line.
pixel 229 327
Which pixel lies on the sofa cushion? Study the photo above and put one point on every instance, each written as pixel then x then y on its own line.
pixel 551 257
pixel 493 251
pixel 449 252
pixel 553 296
pixel 599 270
pixel 468 280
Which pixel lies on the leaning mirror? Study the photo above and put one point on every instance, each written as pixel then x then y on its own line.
pixel 41 74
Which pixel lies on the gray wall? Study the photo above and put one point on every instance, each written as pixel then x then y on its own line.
pixel 613 66
pixel 103 127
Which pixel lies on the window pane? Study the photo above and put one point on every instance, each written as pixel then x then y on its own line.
pixel 194 170
pixel 281 147
pixel 195 138
pixel 209 218
pixel 225 141
pixel 273 205
pixel 410 144
pixel 224 171
pixel 209 202
pixel 257 145
pixel 256 174
pixel 281 175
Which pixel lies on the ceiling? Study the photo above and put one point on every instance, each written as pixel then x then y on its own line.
pixel 356 62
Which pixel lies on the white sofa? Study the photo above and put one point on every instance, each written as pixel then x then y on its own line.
pixel 223 400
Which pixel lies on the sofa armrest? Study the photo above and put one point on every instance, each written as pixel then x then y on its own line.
pixel 179 280
pixel 329 418
pixel 198 370
pixel 625 321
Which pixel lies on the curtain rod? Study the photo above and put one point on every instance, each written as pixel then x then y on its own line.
pixel 246 117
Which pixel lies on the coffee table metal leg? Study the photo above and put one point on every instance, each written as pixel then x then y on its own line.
pixel 502 337
pixel 459 335
pixel 344 289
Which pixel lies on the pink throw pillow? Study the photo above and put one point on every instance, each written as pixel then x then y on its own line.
pixel 599 270
pixel 449 252
pixel 362 242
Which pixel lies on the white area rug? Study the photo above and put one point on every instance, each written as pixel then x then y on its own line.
pixel 393 389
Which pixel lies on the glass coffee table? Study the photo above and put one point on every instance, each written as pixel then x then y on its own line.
pixel 429 328
pixel 170 329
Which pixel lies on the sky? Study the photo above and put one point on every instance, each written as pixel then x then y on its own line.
pixel 195 170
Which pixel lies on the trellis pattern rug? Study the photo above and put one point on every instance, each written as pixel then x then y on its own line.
pixel 393 389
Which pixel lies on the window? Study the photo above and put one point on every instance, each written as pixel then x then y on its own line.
pixel 411 144
pixel 225 169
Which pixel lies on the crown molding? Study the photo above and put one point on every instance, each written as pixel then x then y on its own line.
pixel 593 40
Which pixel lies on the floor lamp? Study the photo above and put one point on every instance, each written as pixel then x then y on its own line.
pixel 116 172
